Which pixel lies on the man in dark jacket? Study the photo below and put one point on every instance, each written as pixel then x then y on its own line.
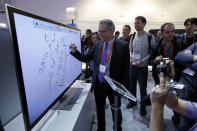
pixel 167 47
pixel 110 57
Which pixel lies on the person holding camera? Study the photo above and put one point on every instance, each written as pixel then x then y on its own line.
pixel 160 96
pixel 188 57
pixel 167 47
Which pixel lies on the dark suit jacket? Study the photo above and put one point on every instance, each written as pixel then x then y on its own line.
pixel 190 82
pixel 119 64
pixel 177 46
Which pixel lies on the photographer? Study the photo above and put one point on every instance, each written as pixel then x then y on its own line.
pixel 160 96
pixel 167 47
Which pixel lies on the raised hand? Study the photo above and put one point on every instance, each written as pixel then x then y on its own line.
pixel 160 92
pixel 73 48
pixel 158 59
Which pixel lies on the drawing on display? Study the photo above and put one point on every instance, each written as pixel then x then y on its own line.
pixel 54 58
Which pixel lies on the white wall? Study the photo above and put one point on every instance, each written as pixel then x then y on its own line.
pixel 3 18
pixel 120 11
pixel 124 11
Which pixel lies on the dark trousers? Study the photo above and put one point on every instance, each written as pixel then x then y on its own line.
pixel 139 74
pixel 155 74
pixel 1 128
pixel 102 91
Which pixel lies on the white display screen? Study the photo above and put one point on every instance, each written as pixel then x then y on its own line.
pixel 47 66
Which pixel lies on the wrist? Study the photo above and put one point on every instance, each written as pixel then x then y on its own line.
pixel 172 102
pixel 157 106
pixel 158 109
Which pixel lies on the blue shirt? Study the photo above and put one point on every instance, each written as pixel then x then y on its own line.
pixel 191 111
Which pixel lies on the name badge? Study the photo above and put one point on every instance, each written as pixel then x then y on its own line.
pixel 102 68
pixel 137 56
pixel 189 72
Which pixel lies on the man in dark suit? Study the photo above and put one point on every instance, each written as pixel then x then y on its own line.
pixel 111 57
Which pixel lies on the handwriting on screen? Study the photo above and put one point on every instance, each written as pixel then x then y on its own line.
pixel 55 57
pixel 47 68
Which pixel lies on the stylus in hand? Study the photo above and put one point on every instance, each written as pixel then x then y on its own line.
pixel 73 47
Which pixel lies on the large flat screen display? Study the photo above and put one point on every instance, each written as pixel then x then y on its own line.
pixel 45 67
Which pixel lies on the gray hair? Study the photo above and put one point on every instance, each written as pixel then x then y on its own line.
pixel 110 24
pixel 166 24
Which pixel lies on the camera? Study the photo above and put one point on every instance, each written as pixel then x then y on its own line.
pixel 164 67
pixel 174 86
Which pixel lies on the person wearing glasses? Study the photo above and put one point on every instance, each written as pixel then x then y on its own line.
pixel 111 58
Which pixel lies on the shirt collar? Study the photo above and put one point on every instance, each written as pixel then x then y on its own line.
pixel 111 41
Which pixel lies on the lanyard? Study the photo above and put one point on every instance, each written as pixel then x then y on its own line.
pixel 171 50
pixel 187 41
pixel 109 55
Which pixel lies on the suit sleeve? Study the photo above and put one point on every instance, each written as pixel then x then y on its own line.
pixel 84 58
pixel 187 59
pixel 184 58
pixel 194 66
pixel 193 47
pixel 191 108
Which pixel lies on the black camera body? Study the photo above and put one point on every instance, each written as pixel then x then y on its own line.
pixel 164 67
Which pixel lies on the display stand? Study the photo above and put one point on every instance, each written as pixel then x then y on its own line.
pixel 69 99
pixel 120 89
pixel 79 117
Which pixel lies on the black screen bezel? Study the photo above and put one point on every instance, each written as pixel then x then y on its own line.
pixel 10 11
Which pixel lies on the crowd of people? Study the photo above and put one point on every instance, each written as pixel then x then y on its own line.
pixel 126 60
